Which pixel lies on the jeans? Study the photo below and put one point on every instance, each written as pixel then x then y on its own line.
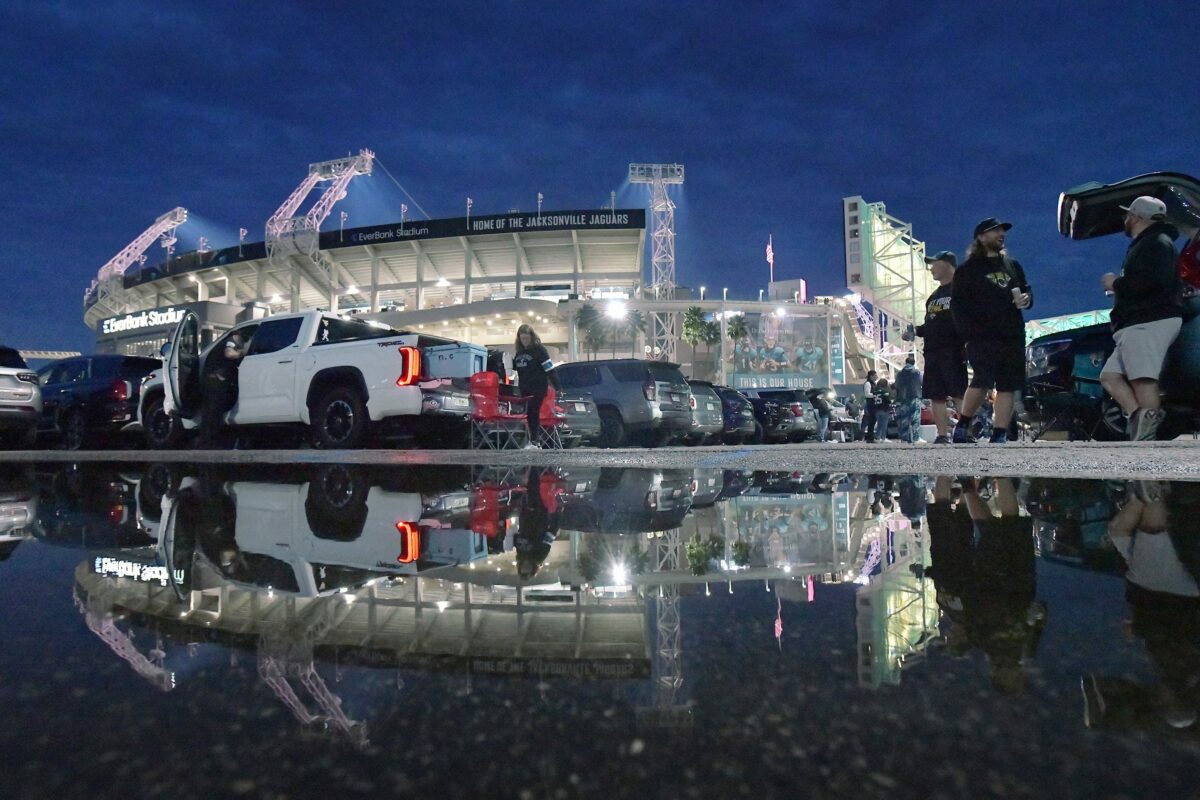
pixel 908 420
pixel 883 417
pixel 822 428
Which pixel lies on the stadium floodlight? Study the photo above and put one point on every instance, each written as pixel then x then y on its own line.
pixel 442 283
pixel 615 310
pixel 760 291
pixel 702 294
pixel 649 173
pixel 724 294
pixel 351 289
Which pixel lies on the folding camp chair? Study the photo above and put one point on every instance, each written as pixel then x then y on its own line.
pixel 494 425
pixel 553 419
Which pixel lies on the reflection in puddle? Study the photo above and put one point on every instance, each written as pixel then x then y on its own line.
pixel 318 573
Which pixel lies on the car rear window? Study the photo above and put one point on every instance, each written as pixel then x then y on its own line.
pixel 628 372
pixel 784 396
pixel 665 372
pixel 334 330
pixel 138 368
pixel 578 376
pixel 11 359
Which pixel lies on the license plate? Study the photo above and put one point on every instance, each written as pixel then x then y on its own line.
pixel 460 402
pixel 581 407
pixel 580 487
pixel 712 406
pixel 676 398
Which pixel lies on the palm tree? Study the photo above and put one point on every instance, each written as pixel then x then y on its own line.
pixel 588 322
pixel 693 326
pixel 735 328
pixel 635 324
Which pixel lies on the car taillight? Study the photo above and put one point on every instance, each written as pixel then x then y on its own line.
pixel 121 390
pixel 797 410
pixel 410 542
pixel 116 514
pixel 651 499
pixel 28 377
pixel 650 391
pixel 692 402
pixel 410 366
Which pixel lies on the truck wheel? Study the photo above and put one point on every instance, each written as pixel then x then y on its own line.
pixel 339 419
pixel 163 431
pixel 75 435
pixel 336 505
pixel 612 429
pixel 759 435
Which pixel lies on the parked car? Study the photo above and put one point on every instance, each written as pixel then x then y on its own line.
pixel 1062 369
pixel 583 425
pixel 804 416
pixel 339 377
pixel 773 418
pixel 645 401
pixel 20 400
pixel 737 416
pixel 90 399
pixel 632 501
pixel 708 421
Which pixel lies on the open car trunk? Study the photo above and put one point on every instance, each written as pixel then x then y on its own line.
pixel 1094 209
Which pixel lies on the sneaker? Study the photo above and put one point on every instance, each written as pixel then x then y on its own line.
pixel 962 435
pixel 1144 422
pixel 532 446
pixel 943 439
pixel 999 437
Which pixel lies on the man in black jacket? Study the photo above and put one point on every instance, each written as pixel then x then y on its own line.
pixel 987 296
pixel 1146 317
pixel 945 368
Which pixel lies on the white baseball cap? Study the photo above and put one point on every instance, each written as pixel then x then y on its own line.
pixel 1147 207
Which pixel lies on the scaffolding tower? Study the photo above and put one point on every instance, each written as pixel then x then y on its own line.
pixel 665 325
pixel 885 264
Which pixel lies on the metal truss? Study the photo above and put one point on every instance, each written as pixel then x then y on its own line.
pixel 109 283
pixel 289 233
pixel 664 325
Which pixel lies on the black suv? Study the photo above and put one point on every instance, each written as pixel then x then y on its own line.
pixel 89 399
pixel 803 415
pixel 1062 383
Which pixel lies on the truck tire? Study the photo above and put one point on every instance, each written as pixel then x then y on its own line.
pixel 759 436
pixel 339 419
pixel 163 431
pixel 336 505
pixel 612 429
pixel 73 427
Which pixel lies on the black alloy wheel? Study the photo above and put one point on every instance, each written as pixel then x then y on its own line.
pixel 74 430
pixel 339 420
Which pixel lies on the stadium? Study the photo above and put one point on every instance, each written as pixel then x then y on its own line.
pixel 476 278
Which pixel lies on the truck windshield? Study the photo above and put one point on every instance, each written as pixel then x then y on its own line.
pixel 333 330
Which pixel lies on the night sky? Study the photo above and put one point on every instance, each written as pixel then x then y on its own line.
pixel 115 112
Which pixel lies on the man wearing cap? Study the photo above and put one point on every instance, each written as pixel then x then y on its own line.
pixel 945 367
pixel 987 295
pixel 1146 316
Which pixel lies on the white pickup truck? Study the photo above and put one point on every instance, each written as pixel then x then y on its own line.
pixel 336 375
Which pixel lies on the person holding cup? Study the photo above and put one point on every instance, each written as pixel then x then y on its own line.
pixel 988 294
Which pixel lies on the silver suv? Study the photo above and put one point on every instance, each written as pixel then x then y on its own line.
pixel 645 401
pixel 20 400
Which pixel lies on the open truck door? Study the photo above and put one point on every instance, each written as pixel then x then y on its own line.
pixel 181 373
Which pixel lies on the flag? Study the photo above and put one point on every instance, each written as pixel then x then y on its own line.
pixel 770 252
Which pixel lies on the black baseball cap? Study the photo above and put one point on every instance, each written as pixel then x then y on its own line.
pixel 989 224
pixel 943 255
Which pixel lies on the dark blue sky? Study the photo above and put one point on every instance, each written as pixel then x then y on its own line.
pixel 117 112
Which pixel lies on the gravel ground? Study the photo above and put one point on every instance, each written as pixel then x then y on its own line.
pixel 1178 460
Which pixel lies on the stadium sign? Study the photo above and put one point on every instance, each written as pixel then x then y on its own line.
pixel 597 220
pixel 156 318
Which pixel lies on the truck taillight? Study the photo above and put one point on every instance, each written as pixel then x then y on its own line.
pixel 410 542
pixel 650 391
pixel 121 390
pixel 410 366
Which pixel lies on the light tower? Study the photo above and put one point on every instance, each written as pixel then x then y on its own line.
pixel 662 258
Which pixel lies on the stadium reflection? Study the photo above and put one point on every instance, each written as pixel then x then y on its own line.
pixel 339 587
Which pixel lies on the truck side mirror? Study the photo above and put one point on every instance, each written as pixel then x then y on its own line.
pixel 165 350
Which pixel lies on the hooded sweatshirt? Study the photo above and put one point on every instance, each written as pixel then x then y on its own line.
pixel 981 300
pixel 1149 288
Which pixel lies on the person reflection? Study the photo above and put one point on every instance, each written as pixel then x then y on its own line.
pixel 984 569
pixel 537 523
pixel 206 522
pixel 1156 531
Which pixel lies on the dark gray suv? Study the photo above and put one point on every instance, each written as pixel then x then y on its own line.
pixel 643 401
